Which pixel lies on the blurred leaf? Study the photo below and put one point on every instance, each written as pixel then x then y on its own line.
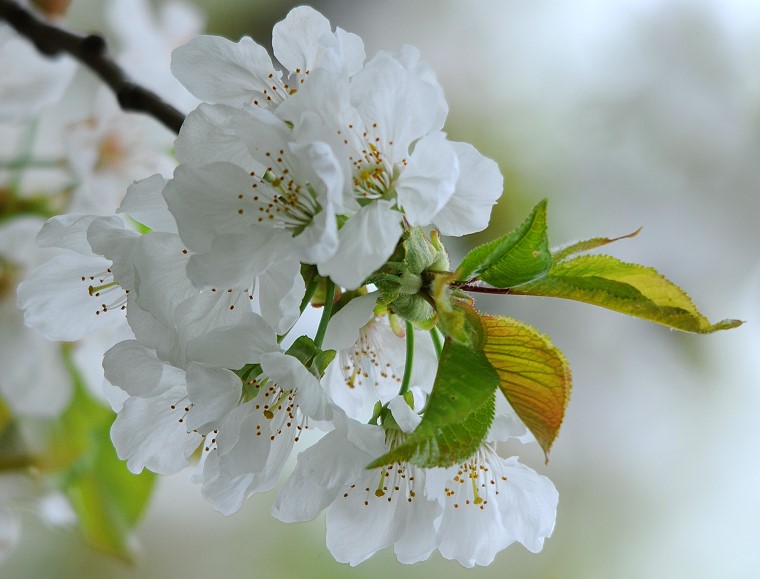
pixel 107 498
pixel 458 415
pixel 627 288
pixel 516 258
pixel 533 375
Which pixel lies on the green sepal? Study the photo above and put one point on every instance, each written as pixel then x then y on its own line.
pixel 457 417
pixel 312 357
pixel 518 257
pixel 627 288
pixel 457 317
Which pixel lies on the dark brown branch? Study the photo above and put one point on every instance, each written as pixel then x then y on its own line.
pixel 482 289
pixel 92 52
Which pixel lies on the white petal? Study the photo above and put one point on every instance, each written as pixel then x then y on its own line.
pixel 56 300
pixel 528 505
pixel 204 201
pixel 209 135
pixel 406 418
pixel 289 373
pixel 136 370
pixel 234 259
pixel 148 433
pixel 343 329
pixel 33 380
pixel 427 183
pixel 280 291
pixel 213 392
pixel 480 184
pixel 145 203
pixel 367 240
pixel 296 40
pixel 67 232
pixel 217 70
pixel 233 346
pixel 405 107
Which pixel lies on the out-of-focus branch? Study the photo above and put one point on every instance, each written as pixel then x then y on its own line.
pixel 92 52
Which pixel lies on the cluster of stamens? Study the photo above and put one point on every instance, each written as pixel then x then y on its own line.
pixel 278 199
pixel 474 480
pixel 373 175
pixel 367 364
pixel 107 291
pixel 278 90
pixel 278 408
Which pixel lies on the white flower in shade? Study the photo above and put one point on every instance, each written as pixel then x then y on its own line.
pixel 490 502
pixel 145 40
pixel 217 70
pixel 239 223
pixel 371 358
pixel 231 76
pixel 247 451
pixel 384 127
pixel 109 150
pixel 31 81
pixel 367 510
pixel 33 381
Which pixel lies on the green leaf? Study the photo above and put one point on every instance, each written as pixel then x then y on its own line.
pixel 587 245
pixel 533 375
pixel 627 288
pixel 458 414
pixel 107 498
pixel 516 258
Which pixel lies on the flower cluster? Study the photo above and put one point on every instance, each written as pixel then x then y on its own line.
pixel 319 187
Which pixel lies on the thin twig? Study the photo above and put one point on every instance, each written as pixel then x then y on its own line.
pixel 482 289
pixel 92 52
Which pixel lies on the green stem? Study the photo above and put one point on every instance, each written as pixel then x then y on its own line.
pixel 17 164
pixel 310 289
pixel 437 343
pixel 326 313
pixel 409 359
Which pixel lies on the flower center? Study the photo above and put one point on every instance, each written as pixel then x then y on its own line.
pixel 475 479
pixel 278 200
pixel 106 292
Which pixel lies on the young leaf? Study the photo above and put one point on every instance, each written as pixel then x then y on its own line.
pixel 627 288
pixel 533 375
pixel 516 258
pixel 562 253
pixel 455 422
pixel 452 444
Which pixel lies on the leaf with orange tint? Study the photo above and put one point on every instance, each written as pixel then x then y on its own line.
pixel 533 375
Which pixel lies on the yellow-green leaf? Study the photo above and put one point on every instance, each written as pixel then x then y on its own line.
pixel 533 375
pixel 562 253
pixel 627 288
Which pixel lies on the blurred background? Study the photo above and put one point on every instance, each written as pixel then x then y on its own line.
pixel 624 113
